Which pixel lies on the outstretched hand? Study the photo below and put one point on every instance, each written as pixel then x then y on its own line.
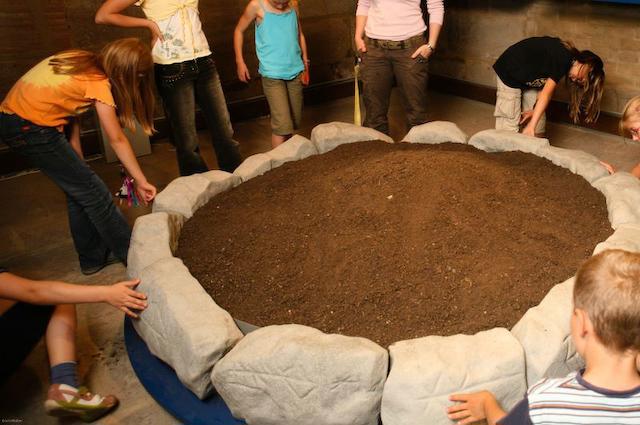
pixel 525 117
pixel 122 296
pixel 146 191
pixel 470 409
pixel 610 168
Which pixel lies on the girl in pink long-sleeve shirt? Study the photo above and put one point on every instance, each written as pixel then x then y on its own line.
pixel 390 36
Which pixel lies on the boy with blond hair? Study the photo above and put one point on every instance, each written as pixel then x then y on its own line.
pixel 605 328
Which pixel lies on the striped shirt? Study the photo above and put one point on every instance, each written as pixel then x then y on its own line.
pixel 572 400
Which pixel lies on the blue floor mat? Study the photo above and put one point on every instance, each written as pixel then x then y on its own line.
pixel 164 386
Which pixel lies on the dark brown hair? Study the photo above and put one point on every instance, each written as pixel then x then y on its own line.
pixel 585 98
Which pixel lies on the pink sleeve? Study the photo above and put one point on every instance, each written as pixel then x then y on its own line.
pixel 436 11
pixel 363 7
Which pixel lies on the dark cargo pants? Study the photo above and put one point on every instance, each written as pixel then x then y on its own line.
pixel 379 67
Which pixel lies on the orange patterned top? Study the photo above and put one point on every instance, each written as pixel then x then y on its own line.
pixel 49 99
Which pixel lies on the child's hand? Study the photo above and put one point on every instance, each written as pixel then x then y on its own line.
pixel 122 296
pixel 360 45
pixel 525 116
pixel 243 72
pixel 156 34
pixel 423 51
pixel 146 191
pixel 610 168
pixel 529 131
pixel 471 407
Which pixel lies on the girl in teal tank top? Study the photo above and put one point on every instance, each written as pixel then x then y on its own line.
pixel 282 57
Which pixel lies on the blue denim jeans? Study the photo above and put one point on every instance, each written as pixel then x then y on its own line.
pixel 182 85
pixel 96 224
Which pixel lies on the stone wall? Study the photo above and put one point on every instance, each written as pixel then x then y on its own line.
pixel 477 31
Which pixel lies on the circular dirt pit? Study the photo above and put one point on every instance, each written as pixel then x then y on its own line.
pixel 395 241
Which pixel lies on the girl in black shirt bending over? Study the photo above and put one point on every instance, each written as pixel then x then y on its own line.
pixel 528 73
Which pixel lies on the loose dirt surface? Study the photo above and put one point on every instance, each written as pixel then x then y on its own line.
pixel 395 241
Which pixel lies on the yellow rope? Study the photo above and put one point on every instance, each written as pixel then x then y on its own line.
pixel 357 117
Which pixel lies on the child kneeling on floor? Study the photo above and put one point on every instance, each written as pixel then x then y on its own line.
pixel 282 52
pixel 605 328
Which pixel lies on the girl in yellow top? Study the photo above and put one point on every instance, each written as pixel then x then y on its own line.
pixel 32 116
pixel 186 75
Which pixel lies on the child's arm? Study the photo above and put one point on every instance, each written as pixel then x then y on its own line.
pixel 544 97
pixel 248 16
pixel 301 39
pixel 475 407
pixel 120 295
pixel 74 137
pixel 109 13
pixel 120 144
pixel 636 170
pixel 361 22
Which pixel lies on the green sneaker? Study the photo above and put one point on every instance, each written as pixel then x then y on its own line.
pixel 65 400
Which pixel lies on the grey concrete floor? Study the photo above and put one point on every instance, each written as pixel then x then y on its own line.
pixel 35 242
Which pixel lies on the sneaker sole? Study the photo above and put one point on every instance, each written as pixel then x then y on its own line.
pixel 87 414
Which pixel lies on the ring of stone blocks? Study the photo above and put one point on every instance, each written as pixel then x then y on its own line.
pixel 293 374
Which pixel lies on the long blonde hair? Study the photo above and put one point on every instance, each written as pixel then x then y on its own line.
pixel 585 99
pixel 631 113
pixel 129 66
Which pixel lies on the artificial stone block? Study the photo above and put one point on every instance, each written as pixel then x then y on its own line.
pixel 255 165
pixel 154 237
pixel 182 325
pixel 329 136
pixel 626 236
pixel 297 375
pixel 425 371
pixel 506 141
pixel 544 332
pixel 436 132
pixel 578 162
pixel 294 149
pixel 185 195
pixel 622 191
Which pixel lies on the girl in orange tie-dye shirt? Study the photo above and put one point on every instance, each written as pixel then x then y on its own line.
pixel 118 83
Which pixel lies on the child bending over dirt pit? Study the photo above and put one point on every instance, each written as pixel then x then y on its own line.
pixel 528 73
pixel 605 328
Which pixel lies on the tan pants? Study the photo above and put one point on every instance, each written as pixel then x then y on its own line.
pixel 510 103
pixel 285 104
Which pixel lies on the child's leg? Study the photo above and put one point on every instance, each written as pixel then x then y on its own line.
pixel 61 345
pixel 278 99
pixel 96 216
pixel 529 99
pixel 508 107
pixel 175 83
pixel 210 97
pixel 65 398
pixel 296 100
